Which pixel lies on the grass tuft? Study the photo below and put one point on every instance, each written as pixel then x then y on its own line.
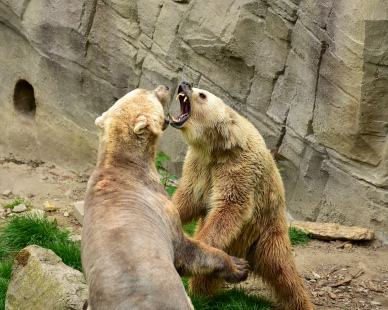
pixel 298 237
pixel 21 231
pixel 167 179
pixel 234 299
pixel 5 276
pixel 17 201
pixel 25 230
pixel 189 228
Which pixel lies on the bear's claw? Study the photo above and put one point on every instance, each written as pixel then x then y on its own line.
pixel 239 272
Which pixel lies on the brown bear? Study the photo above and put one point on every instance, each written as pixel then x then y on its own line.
pixel 230 182
pixel 132 240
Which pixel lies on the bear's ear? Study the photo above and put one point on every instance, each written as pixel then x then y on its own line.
pixel 99 122
pixel 140 123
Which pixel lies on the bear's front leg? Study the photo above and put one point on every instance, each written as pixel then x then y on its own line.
pixel 193 257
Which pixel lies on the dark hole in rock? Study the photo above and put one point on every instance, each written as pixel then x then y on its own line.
pixel 23 98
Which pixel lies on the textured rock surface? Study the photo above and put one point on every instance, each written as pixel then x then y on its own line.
pixel 41 281
pixel 311 75
pixel 330 231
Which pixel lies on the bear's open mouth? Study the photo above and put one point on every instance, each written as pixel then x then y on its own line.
pixel 184 96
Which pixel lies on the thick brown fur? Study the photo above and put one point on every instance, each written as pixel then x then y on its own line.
pixel 132 240
pixel 230 182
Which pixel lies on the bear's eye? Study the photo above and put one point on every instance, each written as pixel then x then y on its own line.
pixel 202 95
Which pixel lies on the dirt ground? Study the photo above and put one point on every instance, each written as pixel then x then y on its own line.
pixel 339 275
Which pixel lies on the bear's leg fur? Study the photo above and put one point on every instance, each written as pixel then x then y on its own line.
pixel 193 257
pixel 272 260
pixel 203 285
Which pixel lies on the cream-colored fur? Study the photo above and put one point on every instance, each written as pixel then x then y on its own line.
pixel 132 241
pixel 230 182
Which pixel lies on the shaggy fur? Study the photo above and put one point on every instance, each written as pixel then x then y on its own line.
pixel 132 240
pixel 231 183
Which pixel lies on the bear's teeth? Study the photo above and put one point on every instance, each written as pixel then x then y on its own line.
pixel 179 95
pixel 184 100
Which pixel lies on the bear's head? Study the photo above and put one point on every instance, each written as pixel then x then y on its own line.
pixel 133 124
pixel 205 120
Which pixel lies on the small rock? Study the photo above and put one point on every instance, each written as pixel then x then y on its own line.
pixel 19 208
pixel 375 303
pixel 45 178
pixel 69 193
pixel 78 211
pixel 49 207
pixel 30 195
pixel 348 246
pixel 315 275
pixel 7 193
pixel 332 295
pixel 66 214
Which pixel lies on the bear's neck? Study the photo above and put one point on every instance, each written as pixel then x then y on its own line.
pixel 219 143
pixel 123 153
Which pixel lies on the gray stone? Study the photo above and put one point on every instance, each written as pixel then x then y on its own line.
pixel 78 211
pixel 19 208
pixel 7 193
pixel 148 12
pixel 40 280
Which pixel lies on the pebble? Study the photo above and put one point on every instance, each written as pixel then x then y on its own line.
pixel 66 214
pixel 7 193
pixel 348 246
pixel 69 193
pixel 19 208
pixel 375 303
pixel 315 275
pixel 49 207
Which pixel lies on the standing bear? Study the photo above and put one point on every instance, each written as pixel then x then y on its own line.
pixel 132 239
pixel 230 182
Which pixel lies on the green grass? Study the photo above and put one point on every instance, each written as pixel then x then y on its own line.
pixel 166 178
pixel 189 228
pixel 234 299
pixel 298 237
pixel 21 231
pixel 17 201
pixel 5 275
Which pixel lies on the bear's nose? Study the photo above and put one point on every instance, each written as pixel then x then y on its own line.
pixel 185 83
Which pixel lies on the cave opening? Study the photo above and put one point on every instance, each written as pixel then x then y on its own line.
pixel 24 98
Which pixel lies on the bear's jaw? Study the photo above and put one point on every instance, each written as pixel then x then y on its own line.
pixel 184 98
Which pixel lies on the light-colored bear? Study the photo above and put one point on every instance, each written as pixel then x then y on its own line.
pixel 132 239
pixel 230 182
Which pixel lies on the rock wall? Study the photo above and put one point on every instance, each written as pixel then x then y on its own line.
pixel 311 75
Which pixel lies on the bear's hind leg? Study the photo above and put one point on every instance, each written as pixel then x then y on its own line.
pixel 272 260
pixel 204 285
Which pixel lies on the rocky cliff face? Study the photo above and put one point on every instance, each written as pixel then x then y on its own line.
pixel 311 75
